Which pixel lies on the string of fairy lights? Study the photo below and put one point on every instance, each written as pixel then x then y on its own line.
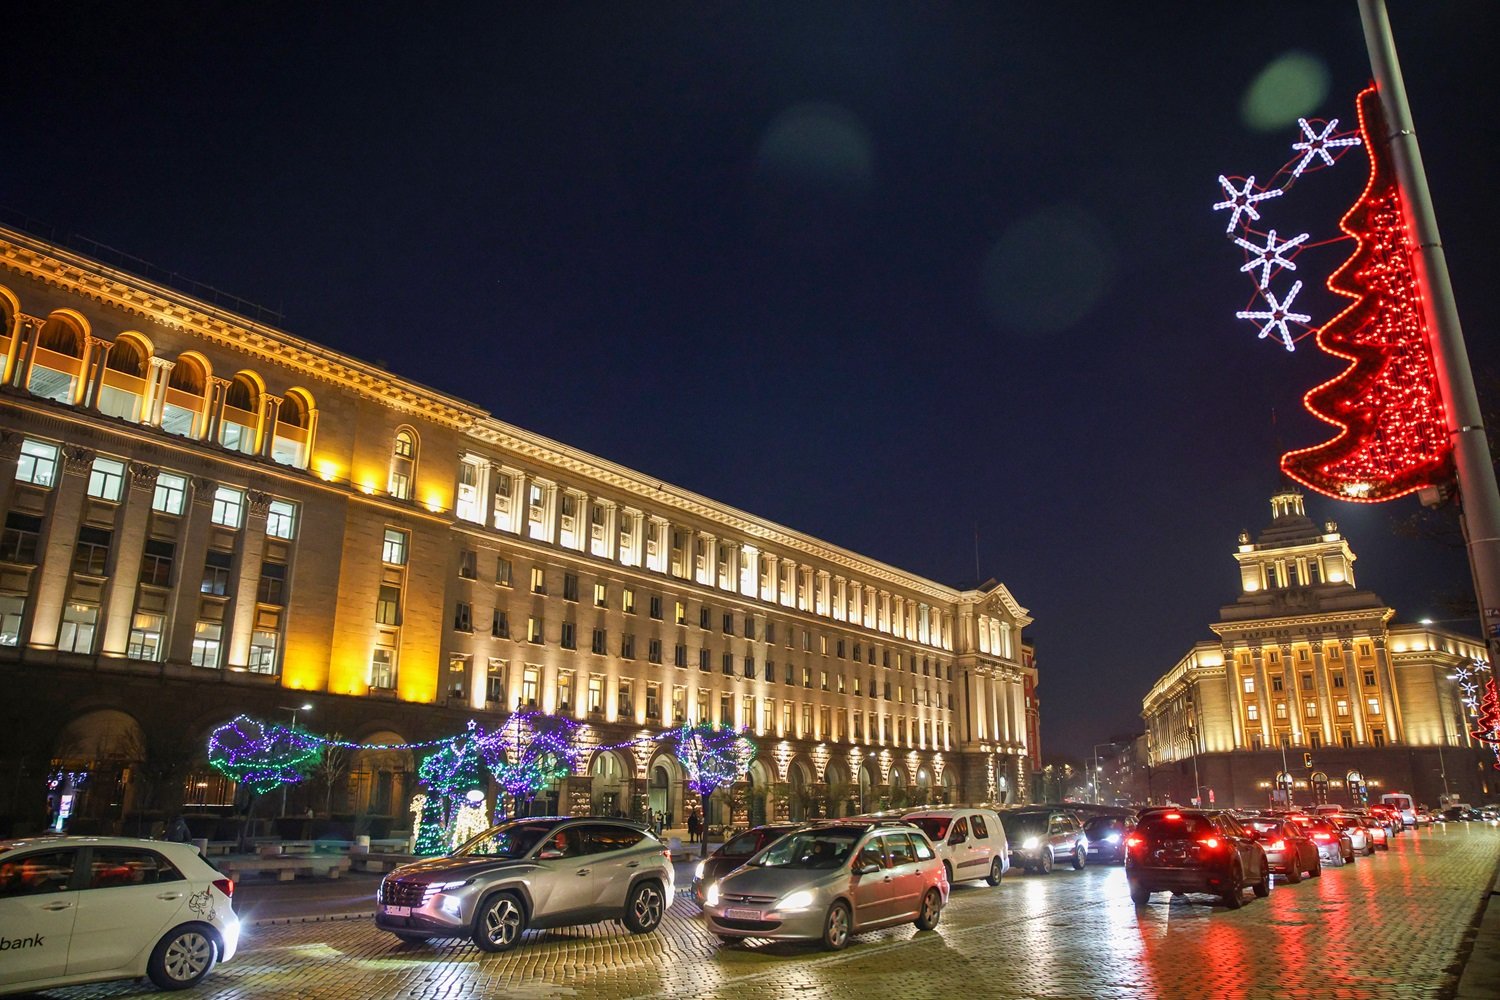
pixel 527 753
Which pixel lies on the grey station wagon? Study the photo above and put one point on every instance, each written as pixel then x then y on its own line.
pixel 535 872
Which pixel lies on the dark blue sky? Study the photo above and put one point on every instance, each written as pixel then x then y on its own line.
pixel 880 272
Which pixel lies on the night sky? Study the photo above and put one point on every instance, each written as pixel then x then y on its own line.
pixel 889 274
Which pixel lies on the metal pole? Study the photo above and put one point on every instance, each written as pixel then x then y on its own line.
pixel 1478 495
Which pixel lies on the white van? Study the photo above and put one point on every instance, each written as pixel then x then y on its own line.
pixel 970 842
pixel 1403 804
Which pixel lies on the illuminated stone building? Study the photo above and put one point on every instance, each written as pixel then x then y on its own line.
pixel 1309 667
pixel 205 515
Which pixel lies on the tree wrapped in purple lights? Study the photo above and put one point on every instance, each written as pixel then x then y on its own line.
pixel 530 752
pixel 713 757
pixel 262 757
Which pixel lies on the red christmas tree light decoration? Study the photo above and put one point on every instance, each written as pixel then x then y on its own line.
pixel 1392 438
pixel 1487 724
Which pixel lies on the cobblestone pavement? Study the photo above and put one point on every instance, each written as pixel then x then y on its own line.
pixel 1388 926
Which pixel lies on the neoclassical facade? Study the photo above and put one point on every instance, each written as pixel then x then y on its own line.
pixel 1308 666
pixel 205 515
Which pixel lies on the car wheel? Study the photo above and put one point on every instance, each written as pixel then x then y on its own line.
pixel 1316 871
pixel 1080 858
pixel 410 937
pixel 644 907
pixel 996 873
pixel 836 927
pixel 1234 892
pixel 499 923
pixel 1337 861
pixel 1263 887
pixel 948 872
pixel 1140 895
pixel 1044 862
pixel 931 912
pixel 182 958
pixel 1294 872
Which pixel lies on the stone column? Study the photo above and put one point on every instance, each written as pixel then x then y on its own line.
pixel 772 590
pixel 1262 699
pixel 160 374
pixel 520 504
pixel 270 410
pixel 91 372
pixel 706 573
pixel 239 617
pixel 1353 684
pixel 218 390
pixel 493 479
pixel 31 334
pixel 821 596
pixel 22 333
pixel 69 497
pixel 119 593
pixel 1324 696
pixel 1384 678
pixel 1293 690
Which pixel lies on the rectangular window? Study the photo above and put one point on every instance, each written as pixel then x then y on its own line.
pixel 1373 705
pixel 393 548
pixel 627 600
pixel 570 586
pixel 463 617
pixel 679 704
pixel 92 554
pixel 704 617
pixel 534 630
pixel 468 568
pixel 206 638
pixel 1369 678
pixel 840 647
pixel 156 562
pixel 503 571
pixel 494 682
pixel 38 463
pixel 599 644
pixel 565 691
pixel 787 675
pixel 263 643
pixel 749 627
pixel 627 646
pixel 726 709
pixel 1346 739
pixel 383 663
pixel 656 606
pixel 770 631
pixel 281 519
pixel 388 605
pixel 653 701
pixel 530 682
pixel 727 663
pixel 12 613
pixel 653 650
pixel 569 638
pixel 1310 709
pixel 145 637
pixel 823 676
pixel 625 700
pixel 1341 707
pixel 1249 683
pixel 728 623
pixel 703 656
pixel 1338 680
pixel 1252 711
pixel 1306 678
pixel 1315 739
pixel 272 589
pixel 601 596
pixel 681 613
pixel 596 694
pixel 1377 737
pixel 1281 710
pixel 78 624
pixel 538 580
pixel 500 624
pixel 22 532
pixel 218 566
pixel 749 665
pixel 107 479
pixel 679 655
pixel 807 677
pixel 171 493
pixel 229 507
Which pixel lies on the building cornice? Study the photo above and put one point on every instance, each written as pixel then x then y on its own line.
pixel 1226 630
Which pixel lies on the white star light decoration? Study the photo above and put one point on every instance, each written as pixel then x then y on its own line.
pixel 1318 144
pixel 1269 256
pixel 1468 683
pixel 1265 252
pixel 1278 316
pixel 1243 200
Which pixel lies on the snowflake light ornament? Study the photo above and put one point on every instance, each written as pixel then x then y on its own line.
pixel 1269 256
pixel 1278 315
pixel 1318 144
pixel 1242 201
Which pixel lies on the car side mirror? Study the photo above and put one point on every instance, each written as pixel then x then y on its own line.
pixel 866 869
pixel 957 838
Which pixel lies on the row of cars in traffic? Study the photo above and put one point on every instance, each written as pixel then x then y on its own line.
pixel 83 909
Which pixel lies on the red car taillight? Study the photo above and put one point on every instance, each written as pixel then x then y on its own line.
pixel 1133 842
pixel 226 886
pixel 1322 837
pixel 1211 843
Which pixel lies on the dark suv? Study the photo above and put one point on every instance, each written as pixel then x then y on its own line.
pixel 1193 850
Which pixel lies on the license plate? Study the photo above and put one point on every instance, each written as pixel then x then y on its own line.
pixel 739 914
pixel 398 911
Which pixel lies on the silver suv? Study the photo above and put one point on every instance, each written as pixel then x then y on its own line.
pixel 535 872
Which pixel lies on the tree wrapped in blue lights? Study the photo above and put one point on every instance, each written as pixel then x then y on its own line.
pixel 530 752
pixel 713 757
pixel 261 757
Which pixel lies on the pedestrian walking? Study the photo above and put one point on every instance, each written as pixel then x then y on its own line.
pixel 692 825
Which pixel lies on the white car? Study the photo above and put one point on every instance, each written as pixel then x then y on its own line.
pixel 84 909
pixel 970 842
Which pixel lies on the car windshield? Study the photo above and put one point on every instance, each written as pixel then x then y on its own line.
pixel 744 845
pixel 809 849
pixel 1176 826
pixel 1103 826
pixel 508 840
pixel 1024 824
pixel 1260 826
pixel 936 827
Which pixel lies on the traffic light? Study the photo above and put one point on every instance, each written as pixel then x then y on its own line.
pixel 1307 759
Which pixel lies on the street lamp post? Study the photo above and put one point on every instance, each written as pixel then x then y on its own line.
pixel 306 706
pixel 1095 777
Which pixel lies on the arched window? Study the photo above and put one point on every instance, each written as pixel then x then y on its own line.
pixel 124 387
pixel 59 360
pixel 293 432
pixel 241 414
pixel 403 464
pixel 182 410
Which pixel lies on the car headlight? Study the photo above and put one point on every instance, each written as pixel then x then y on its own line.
pixel 698 872
pixel 711 897
pixel 1112 838
pixel 800 900
pixel 445 886
pixel 1028 844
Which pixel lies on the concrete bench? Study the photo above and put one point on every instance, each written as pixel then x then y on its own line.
pixel 286 869
pixel 379 861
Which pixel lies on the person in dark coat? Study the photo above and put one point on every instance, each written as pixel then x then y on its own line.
pixel 692 825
